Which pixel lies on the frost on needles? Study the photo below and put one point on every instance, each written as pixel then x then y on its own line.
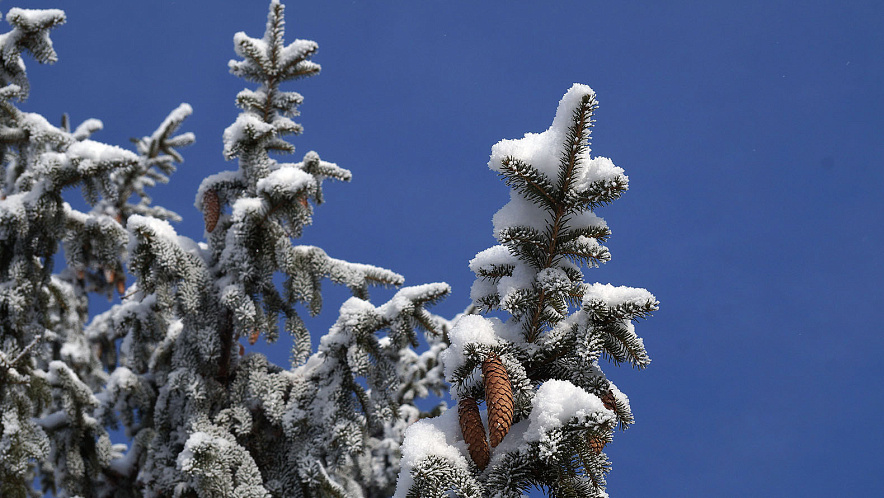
pixel 558 410
pixel 170 365
pixel 224 421
pixel 56 378
pixel 203 415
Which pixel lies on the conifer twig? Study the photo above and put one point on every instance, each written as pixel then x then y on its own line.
pixel 22 354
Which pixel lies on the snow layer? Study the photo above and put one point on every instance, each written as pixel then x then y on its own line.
pixel 519 212
pixel 34 17
pixel 176 116
pixel 288 181
pixel 98 152
pixel 616 296
pixel 495 255
pixel 197 443
pixel 161 228
pixel 556 403
pixel 297 50
pixel 553 279
pixel 404 298
pixel 87 128
pixel 468 329
pixel 544 151
pixel 246 127
pixel 437 436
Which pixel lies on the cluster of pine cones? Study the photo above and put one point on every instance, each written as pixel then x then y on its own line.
pixel 499 398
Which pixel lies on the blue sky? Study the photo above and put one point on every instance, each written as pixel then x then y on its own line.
pixel 751 132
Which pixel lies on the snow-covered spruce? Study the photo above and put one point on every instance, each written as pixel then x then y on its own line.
pixel 164 364
pixel 207 416
pixel 50 369
pixel 204 416
pixel 565 408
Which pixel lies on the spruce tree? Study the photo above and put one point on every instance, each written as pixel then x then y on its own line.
pixel 50 370
pixel 165 365
pixel 206 417
pixel 549 408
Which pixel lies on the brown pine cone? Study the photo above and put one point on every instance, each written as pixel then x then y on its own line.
pixel 609 401
pixel 211 209
pixel 473 431
pixel 498 397
pixel 597 444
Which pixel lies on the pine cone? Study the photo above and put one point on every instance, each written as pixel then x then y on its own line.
pixel 211 209
pixel 609 401
pixel 121 285
pixel 597 444
pixel 253 337
pixel 473 431
pixel 498 397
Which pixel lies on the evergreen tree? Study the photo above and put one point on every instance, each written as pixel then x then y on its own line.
pixel 204 416
pixel 550 409
pixel 208 420
pixel 49 369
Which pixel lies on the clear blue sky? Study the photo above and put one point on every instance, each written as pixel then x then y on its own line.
pixel 751 132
